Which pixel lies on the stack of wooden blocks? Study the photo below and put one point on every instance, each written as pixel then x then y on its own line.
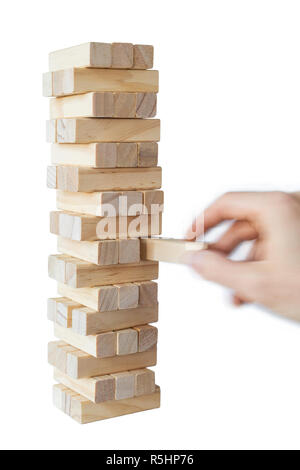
pixel 104 168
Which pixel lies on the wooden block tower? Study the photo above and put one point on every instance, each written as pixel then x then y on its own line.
pixel 103 136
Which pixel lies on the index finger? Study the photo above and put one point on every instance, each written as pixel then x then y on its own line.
pixel 230 206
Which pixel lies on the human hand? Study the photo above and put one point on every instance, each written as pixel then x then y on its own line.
pixel 271 274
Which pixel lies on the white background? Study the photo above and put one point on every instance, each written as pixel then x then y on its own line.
pixel 230 109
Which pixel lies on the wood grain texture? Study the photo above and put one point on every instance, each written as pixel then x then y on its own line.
pixel 147 337
pixel 128 295
pixel 88 130
pixel 168 249
pixel 79 179
pixel 77 273
pixel 129 251
pixel 59 310
pixel 51 131
pixel 86 321
pixel 106 155
pixel 147 154
pixel 104 105
pixel 75 81
pixel 111 204
pixel 143 56
pixel 102 253
pixel 89 227
pixel 101 299
pixel 148 293
pixel 109 387
pixel 79 364
pixel 127 341
pixel 102 55
pixel 84 411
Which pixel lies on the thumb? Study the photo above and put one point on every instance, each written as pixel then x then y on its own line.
pixel 237 275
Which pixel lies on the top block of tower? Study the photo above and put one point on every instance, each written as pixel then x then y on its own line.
pixel 103 55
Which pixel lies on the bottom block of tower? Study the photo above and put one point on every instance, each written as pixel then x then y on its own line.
pixel 85 411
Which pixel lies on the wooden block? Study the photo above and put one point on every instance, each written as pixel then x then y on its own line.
pixel 147 294
pixel 127 155
pixel 147 154
pixel 88 227
pixel 144 382
pixel 51 131
pixel 78 364
pixel 146 105
pixel 99 105
pixel 122 55
pixel 153 201
pixel 77 273
pixel 98 203
pixel 168 249
pixel 97 389
pixel 84 411
pixel 124 105
pixel 79 179
pixel 86 321
pixel 87 130
pixel 60 311
pixel 99 155
pixel 51 177
pixel 128 295
pixel 142 56
pixel 91 54
pixel 84 80
pixel 127 342
pixel 129 251
pixel 101 345
pixel 104 105
pixel 101 299
pixel 124 385
pixel 147 337
pixel 102 253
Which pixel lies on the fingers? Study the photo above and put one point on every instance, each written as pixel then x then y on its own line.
pixel 239 232
pixel 242 277
pixel 248 206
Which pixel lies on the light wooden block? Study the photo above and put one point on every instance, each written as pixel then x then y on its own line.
pixel 146 105
pixel 84 80
pixel 60 311
pixel 168 249
pixel 142 56
pixel 89 227
pixel 97 389
pixel 144 382
pixel 97 155
pixel 102 253
pixel 122 55
pixel 51 131
pixel 147 154
pixel 98 203
pixel 147 294
pixel 127 155
pixel 128 295
pixel 147 337
pixel 129 251
pixel 79 179
pixel 101 345
pixel 124 105
pixel 88 130
pixel 91 54
pixel 153 201
pixel 101 298
pixel 124 385
pixel 79 364
pixel 84 411
pixel 86 321
pixel 127 342
pixel 78 273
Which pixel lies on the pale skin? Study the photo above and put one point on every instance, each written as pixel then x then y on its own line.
pixel 270 276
